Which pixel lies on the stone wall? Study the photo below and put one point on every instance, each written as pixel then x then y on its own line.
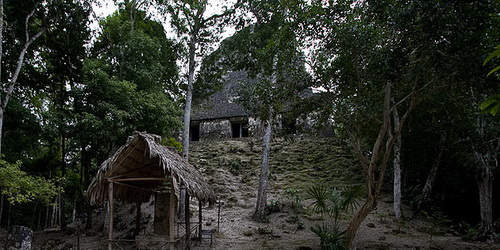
pixel 217 129
pixel 221 129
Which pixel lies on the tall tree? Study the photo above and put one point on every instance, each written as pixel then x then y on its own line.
pixel 11 72
pixel 397 164
pixel 485 149
pixel 143 60
pixel 383 51
pixel 42 36
pixel 64 52
pixel 130 83
pixel 269 52
pixel 197 32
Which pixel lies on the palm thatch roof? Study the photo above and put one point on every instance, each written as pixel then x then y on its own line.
pixel 222 104
pixel 142 167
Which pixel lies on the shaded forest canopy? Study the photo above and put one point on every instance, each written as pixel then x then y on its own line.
pixel 399 83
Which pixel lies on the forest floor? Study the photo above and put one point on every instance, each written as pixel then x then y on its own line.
pixel 232 168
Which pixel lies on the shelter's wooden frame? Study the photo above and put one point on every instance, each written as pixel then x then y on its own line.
pixel 172 240
pixel 137 170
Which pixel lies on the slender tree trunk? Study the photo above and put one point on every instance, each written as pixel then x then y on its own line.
pixel 5 96
pixel 187 114
pixel 371 168
pixel 397 167
pixel 1 205
pixel 1 37
pixel 47 216
pixel 1 129
pixel 485 186
pixel 189 96
pixel 60 212
pixel 9 212
pixel 33 215
pixel 64 221
pixel 487 160
pixel 368 206
pixel 429 184
pixel 1 60
pixel 375 164
pixel 88 214
pixel 39 223
pixel 260 209
pixel 86 164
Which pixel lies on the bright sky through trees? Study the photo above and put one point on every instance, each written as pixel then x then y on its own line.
pixel 106 7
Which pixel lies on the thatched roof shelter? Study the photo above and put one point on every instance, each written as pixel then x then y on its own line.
pixel 143 166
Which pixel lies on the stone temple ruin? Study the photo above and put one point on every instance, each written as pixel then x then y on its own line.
pixel 222 117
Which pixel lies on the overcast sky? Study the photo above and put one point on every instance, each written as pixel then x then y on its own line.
pixel 107 7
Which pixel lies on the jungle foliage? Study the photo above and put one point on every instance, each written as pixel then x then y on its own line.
pixel 423 71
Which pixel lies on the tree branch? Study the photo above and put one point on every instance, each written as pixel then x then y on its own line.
pixel 20 60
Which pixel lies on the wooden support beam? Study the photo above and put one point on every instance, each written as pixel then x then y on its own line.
pixel 187 216
pixel 138 218
pixel 139 179
pixel 200 217
pixel 111 215
pixel 171 221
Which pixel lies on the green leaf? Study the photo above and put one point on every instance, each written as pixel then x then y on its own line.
pixel 492 55
pixel 493 70
pixel 491 105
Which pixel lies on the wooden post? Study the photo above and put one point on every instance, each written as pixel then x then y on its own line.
pixel 219 203
pixel 187 216
pixel 171 221
pixel 111 215
pixel 137 218
pixel 200 219
pixel 161 216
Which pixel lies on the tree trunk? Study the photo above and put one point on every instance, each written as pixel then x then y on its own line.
pixel 1 203
pixel 64 221
pixel 485 186
pixel 1 60
pixel 429 184
pixel 20 61
pixel 486 157
pixel 368 206
pixel 375 164
pixel 47 216
pixel 187 115
pixel 1 128
pixel 189 97
pixel 373 180
pixel 260 209
pixel 9 212
pixel 85 165
pixel 397 168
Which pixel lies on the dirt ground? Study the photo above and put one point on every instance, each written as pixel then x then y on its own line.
pixel 232 169
pixel 238 231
